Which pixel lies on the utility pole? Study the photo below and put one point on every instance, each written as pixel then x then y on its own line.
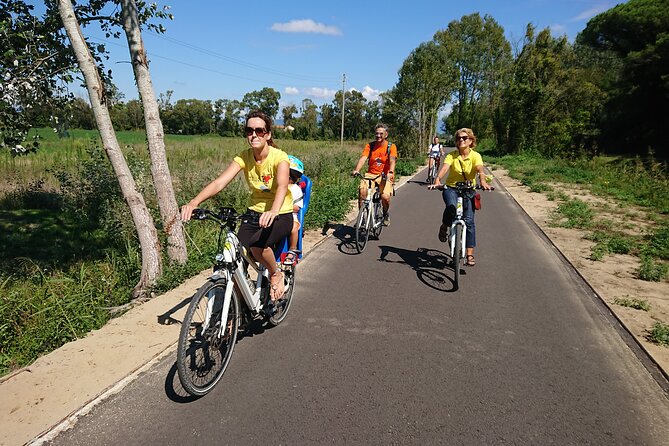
pixel 343 96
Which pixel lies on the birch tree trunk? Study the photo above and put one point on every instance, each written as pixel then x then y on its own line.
pixel 146 230
pixel 162 180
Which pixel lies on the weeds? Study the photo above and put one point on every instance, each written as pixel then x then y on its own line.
pixel 573 213
pixel 637 304
pixel 659 333
pixel 652 270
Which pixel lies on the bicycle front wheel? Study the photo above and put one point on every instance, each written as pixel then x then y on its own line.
pixel 362 228
pixel 204 351
pixel 457 256
pixel 283 305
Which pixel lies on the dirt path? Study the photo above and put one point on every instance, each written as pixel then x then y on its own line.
pixel 68 382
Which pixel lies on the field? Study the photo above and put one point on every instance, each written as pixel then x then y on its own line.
pixel 68 252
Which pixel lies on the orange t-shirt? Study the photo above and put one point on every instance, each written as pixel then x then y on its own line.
pixel 379 159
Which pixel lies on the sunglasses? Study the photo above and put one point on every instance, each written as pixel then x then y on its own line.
pixel 461 138
pixel 259 131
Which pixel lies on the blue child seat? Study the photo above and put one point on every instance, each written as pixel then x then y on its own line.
pixel 283 246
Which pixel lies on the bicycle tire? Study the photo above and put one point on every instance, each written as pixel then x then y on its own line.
pixel 430 175
pixel 283 305
pixel 362 228
pixel 202 356
pixel 457 257
pixel 378 218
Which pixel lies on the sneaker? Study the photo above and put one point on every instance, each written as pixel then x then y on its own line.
pixel 386 219
pixel 443 233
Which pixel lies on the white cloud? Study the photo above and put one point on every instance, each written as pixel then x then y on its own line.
pixel 590 13
pixel 370 93
pixel 291 90
pixel 558 29
pixel 306 26
pixel 319 93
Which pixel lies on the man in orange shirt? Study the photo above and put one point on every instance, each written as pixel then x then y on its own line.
pixel 382 155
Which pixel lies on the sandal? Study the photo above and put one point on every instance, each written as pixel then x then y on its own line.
pixel 443 233
pixel 277 286
pixel 290 258
pixel 470 260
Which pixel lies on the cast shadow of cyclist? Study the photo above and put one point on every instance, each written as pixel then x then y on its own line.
pixel 429 265
pixel 346 236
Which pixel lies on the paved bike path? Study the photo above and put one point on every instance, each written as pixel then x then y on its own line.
pixel 379 349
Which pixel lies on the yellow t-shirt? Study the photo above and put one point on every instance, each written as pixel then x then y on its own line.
pixel 260 178
pixel 458 164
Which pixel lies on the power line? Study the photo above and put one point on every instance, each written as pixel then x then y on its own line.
pixel 222 73
pixel 241 62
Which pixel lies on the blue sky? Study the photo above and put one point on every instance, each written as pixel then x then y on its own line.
pixel 222 49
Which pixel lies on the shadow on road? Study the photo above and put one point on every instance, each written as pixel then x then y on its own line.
pixel 174 390
pixel 429 265
pixel 346 236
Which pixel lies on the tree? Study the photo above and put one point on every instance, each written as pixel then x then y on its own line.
pixel 190 117
pixel 35 62
pixel 266 100
pixel 637 111
pixel 483 59
pixel 162 179
pixel 146 230
pixel 288 112
pixel 306 126
pixel 549 106
pixel 232 112
pixel 427 80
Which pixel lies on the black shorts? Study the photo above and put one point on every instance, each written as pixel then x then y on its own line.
pixel 251 235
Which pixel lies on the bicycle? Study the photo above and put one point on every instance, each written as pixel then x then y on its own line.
pixel 433 170
pixel 370 215
pixel 228 302
pixel 457 233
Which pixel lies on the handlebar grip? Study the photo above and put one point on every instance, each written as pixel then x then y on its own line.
pixel 198 214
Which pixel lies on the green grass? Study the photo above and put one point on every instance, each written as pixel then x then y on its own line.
pixel 659 333
pixel 629 182
pixel 68 249
pixel 637 304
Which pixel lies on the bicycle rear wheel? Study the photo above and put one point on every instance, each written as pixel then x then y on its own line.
pixel 362 228
pixel 378 217
pixel 457 256
pixel 203 355
pixel 283 305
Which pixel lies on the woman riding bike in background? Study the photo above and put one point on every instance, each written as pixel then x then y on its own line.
pixel 462 164
pixel 434 153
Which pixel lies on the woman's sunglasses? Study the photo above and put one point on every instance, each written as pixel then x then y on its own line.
pixel 461 138
pixel 259 131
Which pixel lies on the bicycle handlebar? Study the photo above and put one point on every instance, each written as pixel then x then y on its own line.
pixel 461 185
pixel 224 215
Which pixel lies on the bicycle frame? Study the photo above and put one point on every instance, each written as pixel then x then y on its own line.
pixel 231 266
pixel 367 202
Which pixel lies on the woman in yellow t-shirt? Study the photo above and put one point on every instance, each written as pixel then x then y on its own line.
pixel 266 169
pixel 461 164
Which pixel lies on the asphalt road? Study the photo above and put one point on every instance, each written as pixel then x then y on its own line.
pixel 379 349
